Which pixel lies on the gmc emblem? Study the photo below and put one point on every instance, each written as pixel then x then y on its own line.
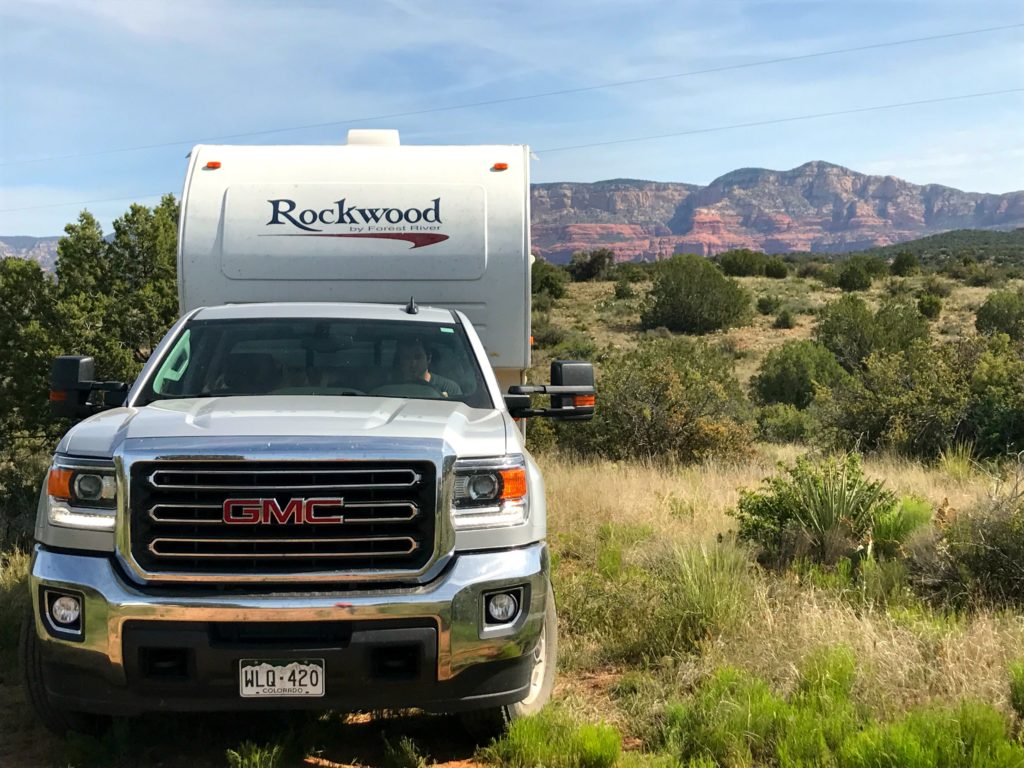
pixel 268 511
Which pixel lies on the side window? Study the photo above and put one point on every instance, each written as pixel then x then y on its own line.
pixel 168 378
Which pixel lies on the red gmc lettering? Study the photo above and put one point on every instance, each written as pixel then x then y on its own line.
pixel 268 511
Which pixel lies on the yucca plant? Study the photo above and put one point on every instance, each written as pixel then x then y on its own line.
pixel 823 511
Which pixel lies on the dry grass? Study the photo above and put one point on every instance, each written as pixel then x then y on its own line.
pixel 690 503
pixel 907 656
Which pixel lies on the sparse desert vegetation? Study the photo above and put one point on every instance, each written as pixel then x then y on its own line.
pixel 772 547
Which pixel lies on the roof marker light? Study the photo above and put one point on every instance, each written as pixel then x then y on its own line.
pixel 213 165
pixel 499 167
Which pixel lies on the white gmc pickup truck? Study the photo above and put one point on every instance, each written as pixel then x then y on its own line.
pixel 316 494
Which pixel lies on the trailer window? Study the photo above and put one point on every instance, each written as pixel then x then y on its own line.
pixel 308 356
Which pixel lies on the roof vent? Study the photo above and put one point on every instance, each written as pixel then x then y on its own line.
pixel 373 137
pixel 411 308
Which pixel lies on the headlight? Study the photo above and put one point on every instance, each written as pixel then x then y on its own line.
pixel 82 495
pixel 490 493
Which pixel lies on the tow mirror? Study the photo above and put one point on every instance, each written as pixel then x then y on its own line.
pixel 71 379
pixel 571 389
pixel 71 384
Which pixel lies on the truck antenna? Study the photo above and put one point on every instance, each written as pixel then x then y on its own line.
pixel 411 308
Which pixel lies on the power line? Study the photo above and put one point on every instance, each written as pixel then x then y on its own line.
pixel 778 120
pixel 527 97
pixel 713 129
pixel 81 202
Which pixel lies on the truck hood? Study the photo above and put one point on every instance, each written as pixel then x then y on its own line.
pixel 469 431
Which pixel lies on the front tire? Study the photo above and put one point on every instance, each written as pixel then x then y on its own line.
pixel 487 724
pixel 55 719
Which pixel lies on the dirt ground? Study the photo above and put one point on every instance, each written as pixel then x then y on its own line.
pixel 201 741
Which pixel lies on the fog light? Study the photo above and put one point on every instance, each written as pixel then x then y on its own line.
pixel 65 610
pixel 502 607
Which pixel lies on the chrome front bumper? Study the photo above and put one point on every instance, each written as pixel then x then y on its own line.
pixel 453 604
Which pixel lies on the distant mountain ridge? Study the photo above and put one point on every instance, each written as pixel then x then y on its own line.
pixel 817 206
pixel 42 250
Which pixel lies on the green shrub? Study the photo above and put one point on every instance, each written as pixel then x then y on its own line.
pixel 930 306
pixel 784 423
pixel 403 754
pixel 547 278
pixel 893 527
pixel 768 305
pixel 734 719
pixel 929 397
pixel 591 265
pixel 250 755
pixel 552 739
pixel 898 325
pixel 853 277
pixel 957 460
pixel 542 304
pixel 1016 671
pixel 1002 312
pixel 676 597
pixel 846 327
pixel 996 413
pixel 24 460
pixel 776 268
pixel 575 345
pixel 790 372
pixel 742 262
pixel 905 264
pixel 631 271
pixel 914 403
pixel 936 286
pixel 985 551
pixel 821 511
pixel 667 400
pixel 973 734
pixel 546 334
pixel 897 286
pixel 849 329
pixel 691 296
pixel 624 290
pixel 784 320
pixel 14 601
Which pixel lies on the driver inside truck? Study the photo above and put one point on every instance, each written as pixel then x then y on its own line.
pixel 412 364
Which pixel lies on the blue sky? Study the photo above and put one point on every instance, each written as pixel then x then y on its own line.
pixel 85 76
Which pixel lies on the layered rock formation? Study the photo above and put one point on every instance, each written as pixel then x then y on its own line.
pixel 42 250
pixel 816 207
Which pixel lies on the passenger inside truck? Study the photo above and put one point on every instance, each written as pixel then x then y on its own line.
pixel 328 357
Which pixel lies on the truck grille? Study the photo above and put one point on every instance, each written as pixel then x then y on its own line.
pixel 378 516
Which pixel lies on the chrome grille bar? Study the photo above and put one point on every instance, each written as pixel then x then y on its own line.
pixel 411 479
pixel 412 546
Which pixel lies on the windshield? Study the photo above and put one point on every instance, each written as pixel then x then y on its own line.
pixel 314 356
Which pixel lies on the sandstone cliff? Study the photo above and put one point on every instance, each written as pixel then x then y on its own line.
pixel 816 207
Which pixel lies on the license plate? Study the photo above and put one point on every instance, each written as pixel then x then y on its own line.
pixel 269 678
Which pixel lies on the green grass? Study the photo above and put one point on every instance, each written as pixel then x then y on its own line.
pixel 630 603
pixel 734 719
pixel 250 755
pixel 14 600
pixel 553 739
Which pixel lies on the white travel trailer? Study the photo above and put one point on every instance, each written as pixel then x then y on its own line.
pixel 315 494
pixel 368 221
